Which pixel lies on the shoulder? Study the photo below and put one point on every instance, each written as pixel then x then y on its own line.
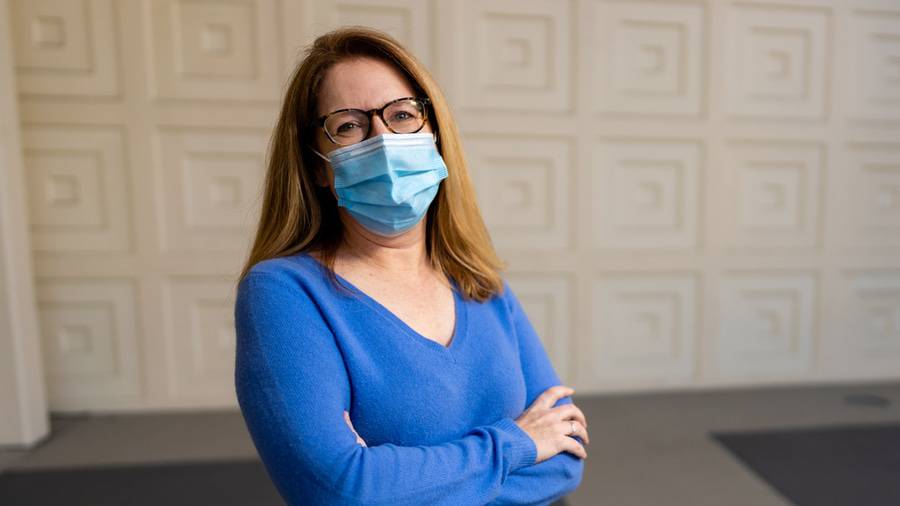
pixel 506 294
pixel 297 273
pixel 290 286
pixel 279 266
pixel 504 300
pixel 292 267
pixel 511 302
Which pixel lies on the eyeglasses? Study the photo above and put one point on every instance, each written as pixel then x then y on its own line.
pixel 405 115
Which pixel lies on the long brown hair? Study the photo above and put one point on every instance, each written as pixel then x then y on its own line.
pixel 297 215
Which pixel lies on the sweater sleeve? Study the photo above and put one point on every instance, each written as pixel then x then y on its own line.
pixel 293 387
pixel 551 479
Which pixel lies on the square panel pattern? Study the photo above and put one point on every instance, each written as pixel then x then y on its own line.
pixel 77 188
pixel 200 336
pixel 624 154
pixel 546 300
pixel 213 50
pixel 523 189
pixel 643 328
pixel 868 321
pixel 874 83
pixel 405 20
pixel 775 61
pixel 65 48
pixel 89 339
pixel 765 324
pixel 871 187
pixel 644 194
pixel 772 191
pixel 516 56
pixel 648 57
pixel 210 180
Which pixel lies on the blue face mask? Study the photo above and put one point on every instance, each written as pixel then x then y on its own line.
pixel 387 182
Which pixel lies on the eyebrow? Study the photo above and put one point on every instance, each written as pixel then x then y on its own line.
pixel 413 95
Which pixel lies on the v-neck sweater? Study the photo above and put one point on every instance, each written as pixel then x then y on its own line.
pixel 437 421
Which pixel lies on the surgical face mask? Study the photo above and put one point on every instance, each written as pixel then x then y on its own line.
pixel 387 182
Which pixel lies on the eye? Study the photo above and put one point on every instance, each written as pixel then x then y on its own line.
pixel 347 127
pixel 346 124
pixel 401 116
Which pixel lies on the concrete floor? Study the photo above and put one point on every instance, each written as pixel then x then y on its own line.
pixel 651 449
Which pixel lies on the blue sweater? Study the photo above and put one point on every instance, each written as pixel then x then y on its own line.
pixel 437 421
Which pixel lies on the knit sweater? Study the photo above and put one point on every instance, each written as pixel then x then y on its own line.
pixel 438 421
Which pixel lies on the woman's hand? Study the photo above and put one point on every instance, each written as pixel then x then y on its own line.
pixel 347 419
pixel 550 427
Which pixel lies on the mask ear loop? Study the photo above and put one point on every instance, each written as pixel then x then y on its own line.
pixel 323 157
pixel 320 156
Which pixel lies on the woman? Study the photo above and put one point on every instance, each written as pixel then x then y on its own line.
pixel 381 358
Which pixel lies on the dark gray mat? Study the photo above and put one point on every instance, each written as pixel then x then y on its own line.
pixel 222 483
pixel 852 465
pixel 242 482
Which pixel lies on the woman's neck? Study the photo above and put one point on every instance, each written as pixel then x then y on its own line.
pixel 404 255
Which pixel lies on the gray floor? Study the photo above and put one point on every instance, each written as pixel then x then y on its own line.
pixel 645 449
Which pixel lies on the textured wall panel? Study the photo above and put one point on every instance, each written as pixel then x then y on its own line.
pixel 523 189
pixel 78 191
pixel 643 329
pixel 866 322
pixel 870 203
pixel 406 20
pixel 776 61
pixel 515 54
pixel 773 193
pixel 89 339
pixel 208 50
pixel 200 336
pixel 645 194
pixel 209 182
pixel 765 324
pixel 874 78
pixel 65 47
pixel 677 186
pixel 647 57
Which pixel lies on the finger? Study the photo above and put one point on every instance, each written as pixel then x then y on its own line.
pixel 571 411
pixel 582 419
pixel 574 447
pixel 549 397
pixel 359 438
pixel 584 435
pixel 567 426
pixel 349 423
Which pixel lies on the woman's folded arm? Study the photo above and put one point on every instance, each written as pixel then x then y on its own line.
pixel 541 483
pixel 293 387
pixel 557 476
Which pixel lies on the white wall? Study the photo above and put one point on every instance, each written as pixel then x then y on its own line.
pixel 691 194
pixel 23 401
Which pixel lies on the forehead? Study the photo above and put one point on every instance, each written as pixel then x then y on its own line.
pixel 362 83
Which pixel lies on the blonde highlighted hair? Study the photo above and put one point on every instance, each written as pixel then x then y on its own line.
pixel 299 216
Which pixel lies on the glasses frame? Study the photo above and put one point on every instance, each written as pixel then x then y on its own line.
pixel 425 101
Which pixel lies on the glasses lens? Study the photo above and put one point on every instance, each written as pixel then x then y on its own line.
pixel 405 116
pixel 347 127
